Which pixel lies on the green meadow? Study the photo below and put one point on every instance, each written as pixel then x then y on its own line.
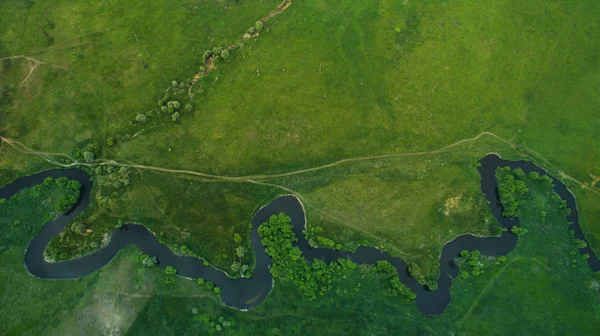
pixel 373 113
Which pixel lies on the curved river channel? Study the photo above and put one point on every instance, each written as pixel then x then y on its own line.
pixel 244 293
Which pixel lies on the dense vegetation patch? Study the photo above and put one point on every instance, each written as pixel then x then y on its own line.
pixel 317 277
pixel 22 216
pixel 512 189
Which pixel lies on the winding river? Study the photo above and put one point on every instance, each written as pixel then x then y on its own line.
pixel 244 293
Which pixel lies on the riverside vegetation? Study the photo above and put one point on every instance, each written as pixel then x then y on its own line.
pixel 438 74
pixel 216 137
pixel 357 301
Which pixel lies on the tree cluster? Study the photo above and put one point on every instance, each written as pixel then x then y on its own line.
pixel 312 279
pixel 88 153
pixel 512 190
pixel 113 177
pixel 519 231
pixel 315 238
pixel 213 324
pixel 388 275
pixel 472 261
pixel 148 260
pixel 239 266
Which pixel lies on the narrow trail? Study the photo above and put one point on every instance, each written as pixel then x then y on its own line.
pixel 48 156
pixel 382 156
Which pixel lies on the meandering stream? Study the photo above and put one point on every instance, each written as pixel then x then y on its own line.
pixel 247 293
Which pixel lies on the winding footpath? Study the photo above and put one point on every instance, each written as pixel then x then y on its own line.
pixel 244 293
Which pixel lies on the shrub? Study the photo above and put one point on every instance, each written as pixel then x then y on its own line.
pixel 207 54
pixel 148 260
pixel 259 25
pixel 141 118
pixel 170 270
pixel 110 141
pixel 89 157
pixel 519 231
pixel 175 116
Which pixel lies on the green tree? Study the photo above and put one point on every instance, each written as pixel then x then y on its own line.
pixel 210 285
pixel 89 157
pixel 258 25
pixel 200 281
pixel 225 54
pixel 170 270
pixel 175 116
pixel 141 118
pixel 110 141
pixel 236 267
pixel 580 244
pixel 240 251
pixel 188 107
pixel 207 54
pixel 148 260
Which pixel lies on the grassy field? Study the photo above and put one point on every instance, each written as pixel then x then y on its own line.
pixel 544 288
pixel 325 80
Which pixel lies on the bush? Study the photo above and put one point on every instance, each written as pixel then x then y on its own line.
pixel 148 260
pixel 110 141
pixel 207 54
pixel 175 116
pixel 519 231
pixel 252 30
pixel 170 270
pixel 259 25
pixel 141 118
pixel 89 157
pixel 173 105
pixel 201 281
pixel 511 190
pixel 225 54
pixel 188 107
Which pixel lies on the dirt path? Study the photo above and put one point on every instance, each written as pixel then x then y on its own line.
pixel 48 156
pixel 284 5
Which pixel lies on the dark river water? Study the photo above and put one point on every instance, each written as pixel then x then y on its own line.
pixel 244 293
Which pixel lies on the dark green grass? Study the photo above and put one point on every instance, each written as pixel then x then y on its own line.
pixel 182 210
pixel 29 305
pixel 544 288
